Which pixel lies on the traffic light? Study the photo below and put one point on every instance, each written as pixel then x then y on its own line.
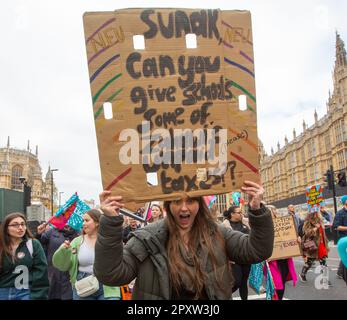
pixel 329 179
pixel 341 179
pixel 27 196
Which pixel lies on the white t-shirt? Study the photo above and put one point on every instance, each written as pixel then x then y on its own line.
pixel 86 256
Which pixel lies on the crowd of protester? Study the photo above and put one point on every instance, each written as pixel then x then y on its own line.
pixel 181 252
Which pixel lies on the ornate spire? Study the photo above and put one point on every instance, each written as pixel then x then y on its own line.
pixel 8 142
pixel 28 147
pixel 285 140
pixel 341 60
pixel 315 116
pixel 278 146
pixel 48 174
pixel 272 151
pixel 304 126
pixel 37 151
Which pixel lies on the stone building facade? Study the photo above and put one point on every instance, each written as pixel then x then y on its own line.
pixel 304 160
pixel 16 163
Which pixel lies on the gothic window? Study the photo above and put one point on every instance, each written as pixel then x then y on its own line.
pixel 293 160
pixel 339 127
pixel 343 129
pixel 303 159
pixel 312 173
pixel 276 170
pixel 316 175
pixel 17 172
pixel 292 181
pixel 311 147
pixel 327 142
pixel 341 160
pixel 309 150
pixel 314 153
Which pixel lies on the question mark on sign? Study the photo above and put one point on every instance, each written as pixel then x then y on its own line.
pixel 223 181
pixel 232 165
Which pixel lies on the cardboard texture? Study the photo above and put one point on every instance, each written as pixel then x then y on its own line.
pixel 285 242
pixel 172 87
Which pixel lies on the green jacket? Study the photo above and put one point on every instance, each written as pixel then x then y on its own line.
pixel 67 260
pixel 144 257
pixel 37 267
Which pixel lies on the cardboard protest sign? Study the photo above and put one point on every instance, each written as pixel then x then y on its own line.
pixel 314 198
pixel 167 114
pixel 285 242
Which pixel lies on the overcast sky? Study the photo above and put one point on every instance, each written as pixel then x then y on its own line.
pixel 44 82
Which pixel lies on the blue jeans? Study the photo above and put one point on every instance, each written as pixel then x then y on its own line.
pixel 14 294
pixel 99 295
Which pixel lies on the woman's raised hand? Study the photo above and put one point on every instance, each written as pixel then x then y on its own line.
pixel 255 194
pixel 110 205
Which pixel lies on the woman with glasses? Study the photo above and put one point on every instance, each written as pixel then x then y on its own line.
pixel 23 264
pixel 185 255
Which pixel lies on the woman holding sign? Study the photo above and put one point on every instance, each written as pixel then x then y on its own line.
pixel 282 270
pixel 314 243
pixel 184 256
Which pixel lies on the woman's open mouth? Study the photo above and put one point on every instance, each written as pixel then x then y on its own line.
pixel 184 218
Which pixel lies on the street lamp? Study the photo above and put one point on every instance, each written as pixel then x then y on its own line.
pixel 52 189
pixel 60 193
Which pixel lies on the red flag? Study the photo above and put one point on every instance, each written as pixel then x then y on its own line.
pixel 60 221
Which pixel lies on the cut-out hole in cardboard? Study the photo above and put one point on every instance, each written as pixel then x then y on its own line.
pixel 243 103
pixel 191 42
pixel 139 42
pixel 108 112
pixel 152 179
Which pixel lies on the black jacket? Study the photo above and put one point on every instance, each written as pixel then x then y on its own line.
pixel 144 257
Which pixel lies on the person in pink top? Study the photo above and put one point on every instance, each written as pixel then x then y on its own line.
pixel 282 270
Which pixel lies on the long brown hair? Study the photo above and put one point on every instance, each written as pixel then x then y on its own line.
pixel 161 215
pixel 204 232
pixel 5 238
pixel 311 220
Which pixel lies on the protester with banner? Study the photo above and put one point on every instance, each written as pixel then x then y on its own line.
pixel 282 270
pixel 314 244
pixel 187 251
pixel 59 282
pixel 77 257
pixel 23 265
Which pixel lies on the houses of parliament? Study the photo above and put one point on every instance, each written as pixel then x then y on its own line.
pixel 16 163
pixel 304 160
